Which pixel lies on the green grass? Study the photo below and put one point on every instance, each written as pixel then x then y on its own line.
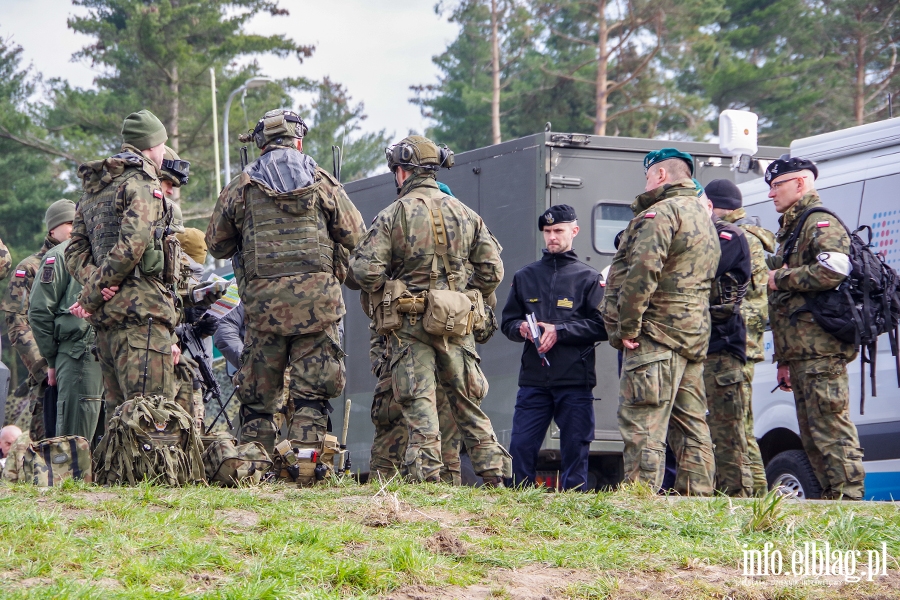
pixel 80 541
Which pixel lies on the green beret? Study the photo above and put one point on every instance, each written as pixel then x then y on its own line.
pixel 143 130
pixel 61 211
pixel 658 156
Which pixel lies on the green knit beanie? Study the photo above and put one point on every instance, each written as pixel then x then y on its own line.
pixel 143 130
pixel 61 211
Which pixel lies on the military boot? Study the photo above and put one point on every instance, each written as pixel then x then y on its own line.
pixel 493 482
pixel 258 427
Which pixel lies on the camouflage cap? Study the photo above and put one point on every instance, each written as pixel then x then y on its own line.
pixel 279 126
pixel 417 151
pixel 657 156
pixel 143 130
pixel 174 169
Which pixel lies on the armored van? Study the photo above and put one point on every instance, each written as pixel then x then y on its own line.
pixel 859 179
pixel 510 185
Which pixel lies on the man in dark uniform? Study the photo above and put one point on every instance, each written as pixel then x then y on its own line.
pixel 564 294
pixel 725 359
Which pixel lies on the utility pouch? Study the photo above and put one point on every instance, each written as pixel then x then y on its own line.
pixel 449 313
pixel 480 321
pixel 173 259
pixel 387 306
pixel 153 259
pixel 231 465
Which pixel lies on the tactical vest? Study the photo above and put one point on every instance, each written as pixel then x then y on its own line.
pixel 100 217
pixel 285 235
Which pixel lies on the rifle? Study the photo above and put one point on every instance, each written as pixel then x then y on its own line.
pixel 191 343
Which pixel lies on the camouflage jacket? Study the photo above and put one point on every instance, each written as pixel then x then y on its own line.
pixel 291 304
pixel 15 303
pixel 400 245
pixel 5 260
pixel 139 202
pixel 755 307
pixel 660 278
pixel 55 329
pixel 796 335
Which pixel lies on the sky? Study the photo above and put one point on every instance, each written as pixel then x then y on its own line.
pixel 376 48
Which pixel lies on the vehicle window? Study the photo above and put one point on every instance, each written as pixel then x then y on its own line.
pixel 880 212
pixel 609 219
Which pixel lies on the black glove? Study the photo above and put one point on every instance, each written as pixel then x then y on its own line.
pixel 206 326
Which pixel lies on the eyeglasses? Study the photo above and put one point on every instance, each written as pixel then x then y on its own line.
pixel 775 185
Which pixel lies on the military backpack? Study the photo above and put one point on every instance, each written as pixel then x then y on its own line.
pixel 864 306
pixel 49 462
pixel 231 465
pixel 152 438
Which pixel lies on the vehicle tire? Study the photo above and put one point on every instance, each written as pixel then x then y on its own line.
pixel 791 469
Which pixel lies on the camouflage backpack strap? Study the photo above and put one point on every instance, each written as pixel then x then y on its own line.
pixel 441 245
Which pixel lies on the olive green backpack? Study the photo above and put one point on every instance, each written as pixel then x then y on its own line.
pixel 152 438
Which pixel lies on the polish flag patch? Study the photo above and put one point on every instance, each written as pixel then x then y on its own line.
pixel 21 273
pixel 51 260
pixel 650 215
pixel 823 223
pixel 157 194
pixel 725 235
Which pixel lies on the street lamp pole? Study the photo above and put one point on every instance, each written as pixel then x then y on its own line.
pixel 253 82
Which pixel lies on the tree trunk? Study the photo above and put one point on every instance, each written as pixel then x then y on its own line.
pixel 859 95
pixel 602 107
pixel 172 127
pixel 495 74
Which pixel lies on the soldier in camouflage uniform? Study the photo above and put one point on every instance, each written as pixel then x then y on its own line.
pixel 811 362
pixel 116 254
pixel 28 412
pixel 656 309
pixel 401 246
pixel 727 202
pixel 283 216
pixel 67 343
pixel 5 260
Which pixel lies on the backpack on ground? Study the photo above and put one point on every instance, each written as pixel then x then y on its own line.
pixel 48 462
pixel 231 465
pixel 152 438
pixel 865 305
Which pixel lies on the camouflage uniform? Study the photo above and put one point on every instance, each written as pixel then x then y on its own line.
pixel 391 430
pixel 658 295
pixel 26 412
pixel 755 310
pixel 119 216
pixel 817 360
pixel 67 343
pixel 5 260
pixel 283 215
pixel 400 245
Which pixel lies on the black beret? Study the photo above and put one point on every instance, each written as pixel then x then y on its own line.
pixel 558 213
pixel 791 164
pixel 724 194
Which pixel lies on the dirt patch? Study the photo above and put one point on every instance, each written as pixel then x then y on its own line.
pixel 537 582
pixel 106 583
pixel 98 497
pixel 444 542
pixel 241 519
pixel 384 510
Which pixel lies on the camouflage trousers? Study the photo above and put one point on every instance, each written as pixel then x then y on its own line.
pixel 822 397
pixel 661 393
pixel 723 375
pixel 123 358
pixel 392 436
pixel 316 375
pixel 419 362
pixel 80 400
pixel 757 469
pixel 188 394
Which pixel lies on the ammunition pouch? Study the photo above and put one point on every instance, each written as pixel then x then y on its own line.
pixel 450 313
pixel 305 463
pixel 153 260
pixel 173 260
pixel 385 305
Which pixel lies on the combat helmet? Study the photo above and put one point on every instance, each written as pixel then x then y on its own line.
pixel 174 169
pixel 278 127
pixel 418 153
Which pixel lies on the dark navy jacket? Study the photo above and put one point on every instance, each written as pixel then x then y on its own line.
pixel 561 290
pixel 730 335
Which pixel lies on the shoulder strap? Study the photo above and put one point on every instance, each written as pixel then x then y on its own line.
pixel 747 221
pixel 795 234
pixel 439 230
